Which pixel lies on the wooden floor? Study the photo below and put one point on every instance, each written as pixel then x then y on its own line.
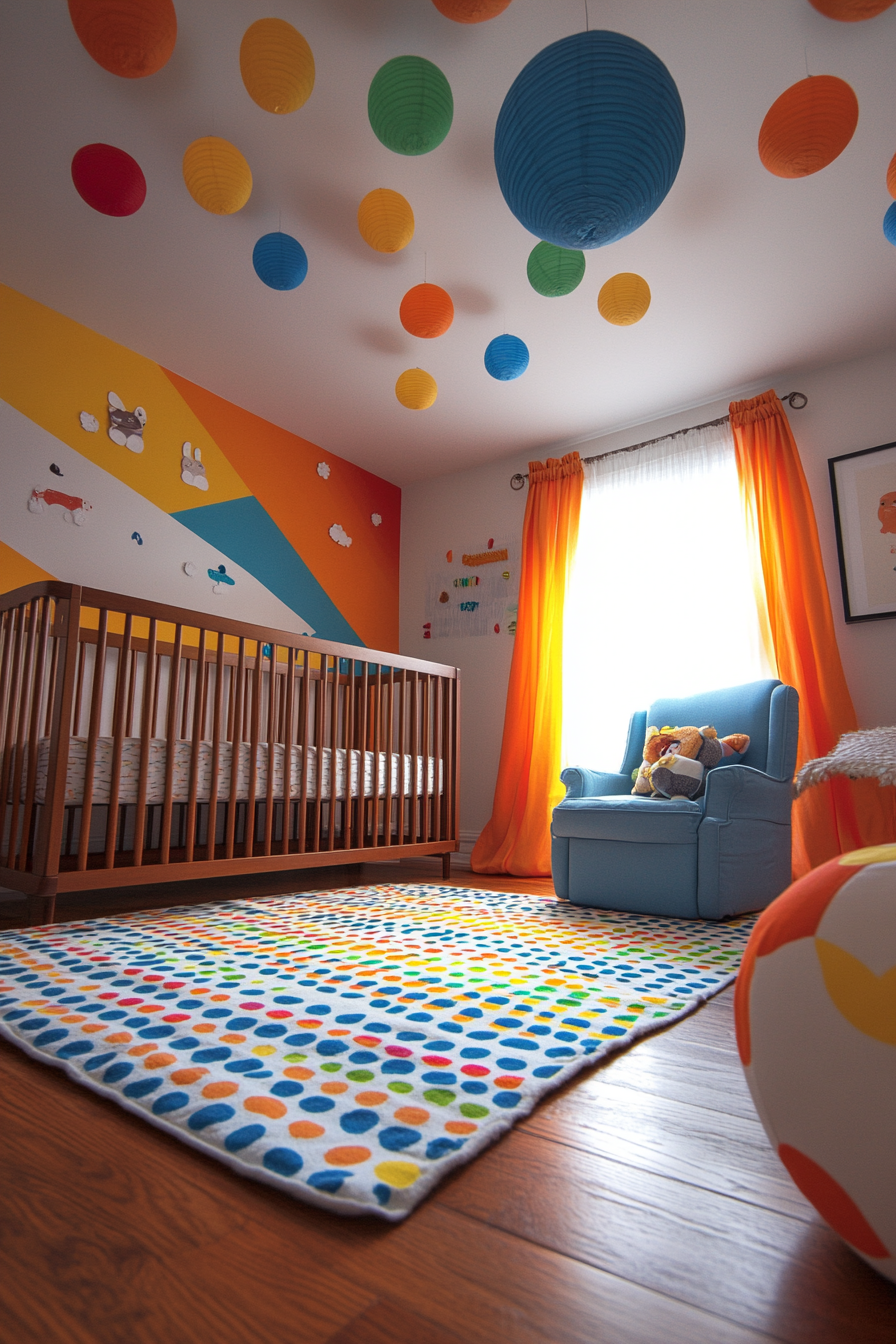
pixel 641 1204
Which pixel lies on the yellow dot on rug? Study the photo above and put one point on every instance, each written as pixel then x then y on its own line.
pixel 397 1174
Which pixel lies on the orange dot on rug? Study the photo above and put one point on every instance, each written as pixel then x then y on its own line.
pixel 427 311
pixel 130 38
pixel 808 126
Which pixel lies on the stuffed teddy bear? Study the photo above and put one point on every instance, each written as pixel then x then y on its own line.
pixel 676 760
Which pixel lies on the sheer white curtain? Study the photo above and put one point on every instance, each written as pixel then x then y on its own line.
pixel 663 598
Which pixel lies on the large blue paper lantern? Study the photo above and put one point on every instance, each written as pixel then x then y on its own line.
pixel 280 261
pixel 890 224
pixel 506 357
pixel 589 139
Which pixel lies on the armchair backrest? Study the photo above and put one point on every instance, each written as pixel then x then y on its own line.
pixel 767 710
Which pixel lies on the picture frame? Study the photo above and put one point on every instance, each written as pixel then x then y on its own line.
pixel 863 489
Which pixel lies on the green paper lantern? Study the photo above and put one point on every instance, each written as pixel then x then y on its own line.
pixel 410 105
pixel 555 271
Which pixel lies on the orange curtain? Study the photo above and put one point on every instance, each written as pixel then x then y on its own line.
pixel 517 839
pixel 831 818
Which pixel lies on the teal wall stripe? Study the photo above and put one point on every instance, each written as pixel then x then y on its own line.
pixel 244 531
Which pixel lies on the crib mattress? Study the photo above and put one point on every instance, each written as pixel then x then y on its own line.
pixel 318 771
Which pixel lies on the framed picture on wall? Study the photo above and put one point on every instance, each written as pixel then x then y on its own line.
pixel 863 485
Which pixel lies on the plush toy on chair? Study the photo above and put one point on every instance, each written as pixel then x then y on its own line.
pixel 676 760
pixel 720 844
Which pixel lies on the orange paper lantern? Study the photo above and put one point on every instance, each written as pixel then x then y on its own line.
pixel 277 65
pixel 850 11
pixel 474 11
pixel 891 177
pixel 131 38
pixel 427 311
pixel 808 126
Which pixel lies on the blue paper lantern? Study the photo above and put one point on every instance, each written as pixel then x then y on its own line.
pixel 589 139
pixel 506 357
pixel 890 224
pixel 280 261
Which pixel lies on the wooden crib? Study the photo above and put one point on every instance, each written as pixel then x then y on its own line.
pixel 141 743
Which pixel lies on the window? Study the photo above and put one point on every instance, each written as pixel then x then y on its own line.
pixel 663 598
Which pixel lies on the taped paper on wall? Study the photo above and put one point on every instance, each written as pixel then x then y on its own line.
pixel 459 602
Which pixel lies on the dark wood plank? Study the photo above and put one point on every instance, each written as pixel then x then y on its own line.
pixel 388 1322
pixel 487 1286
pixel 727 1154
pixel 692 1245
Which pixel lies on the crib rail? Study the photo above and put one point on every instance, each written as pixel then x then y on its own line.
pixel 140 742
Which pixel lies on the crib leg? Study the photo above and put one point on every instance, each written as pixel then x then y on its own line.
pixel 446 867
pixel 42 905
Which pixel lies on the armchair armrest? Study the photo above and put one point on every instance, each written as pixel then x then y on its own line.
pixel 739 791
pixel 584 783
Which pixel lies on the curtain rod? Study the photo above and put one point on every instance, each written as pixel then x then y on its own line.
pixel 796 400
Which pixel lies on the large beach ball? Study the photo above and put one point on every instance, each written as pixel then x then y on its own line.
pixel 815 1008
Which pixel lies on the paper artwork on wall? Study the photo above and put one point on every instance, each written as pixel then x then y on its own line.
pixel 89 422
pixel 126 427
pixel 323 470
pixel 192 471
pixel 376 519
pixel 189 568
pixel 472 590
pixel 221 580
pixel 56 470
pixel 339 535
pixel 73 507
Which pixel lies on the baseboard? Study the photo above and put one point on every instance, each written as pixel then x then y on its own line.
pixel 459 861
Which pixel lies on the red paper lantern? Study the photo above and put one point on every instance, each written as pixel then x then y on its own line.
pixel 850 11
pixel 109 180
pixel 808 126
pixel 131 38
pixel 426 310
pixel 474 11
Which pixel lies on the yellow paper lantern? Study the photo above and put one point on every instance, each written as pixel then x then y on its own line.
pixel 416 389
pixel 891 177
pixel 277 65
pixel 385 220
pixel 624 299
pixel 217 176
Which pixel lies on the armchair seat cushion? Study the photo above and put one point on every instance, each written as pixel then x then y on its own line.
pixel 653 821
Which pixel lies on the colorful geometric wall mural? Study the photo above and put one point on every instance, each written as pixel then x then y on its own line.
pixel 120 474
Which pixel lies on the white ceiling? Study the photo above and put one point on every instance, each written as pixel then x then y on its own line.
pixel 750 274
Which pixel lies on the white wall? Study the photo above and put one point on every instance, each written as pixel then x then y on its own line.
pixel 851 406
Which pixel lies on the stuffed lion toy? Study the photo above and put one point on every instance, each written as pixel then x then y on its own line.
pixel 676 760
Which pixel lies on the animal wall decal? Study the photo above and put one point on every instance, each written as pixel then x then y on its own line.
pixel 192 468
pixel 126 427
pixel 73 507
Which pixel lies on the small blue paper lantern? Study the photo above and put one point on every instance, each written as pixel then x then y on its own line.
pixel 280 261
pixel 890 224
pixel 506 357
pixel 589 139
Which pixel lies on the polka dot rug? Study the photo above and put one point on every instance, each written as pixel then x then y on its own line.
pixel 351 1047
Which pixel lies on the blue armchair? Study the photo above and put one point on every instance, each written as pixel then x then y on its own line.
pixel 719 855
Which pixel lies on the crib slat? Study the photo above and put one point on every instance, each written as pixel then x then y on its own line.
pixel 11 686
pixel 43 606
pixel 334 742
pixel 272 700
pixel 145 739
pixel 174 681
pixel 254 737
pixel 305 739
pixel 93 732
pixel 21 743
pixel 216 751
pixel 287 735
pixel 197 727
pixel 236 738
pixel 122 682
